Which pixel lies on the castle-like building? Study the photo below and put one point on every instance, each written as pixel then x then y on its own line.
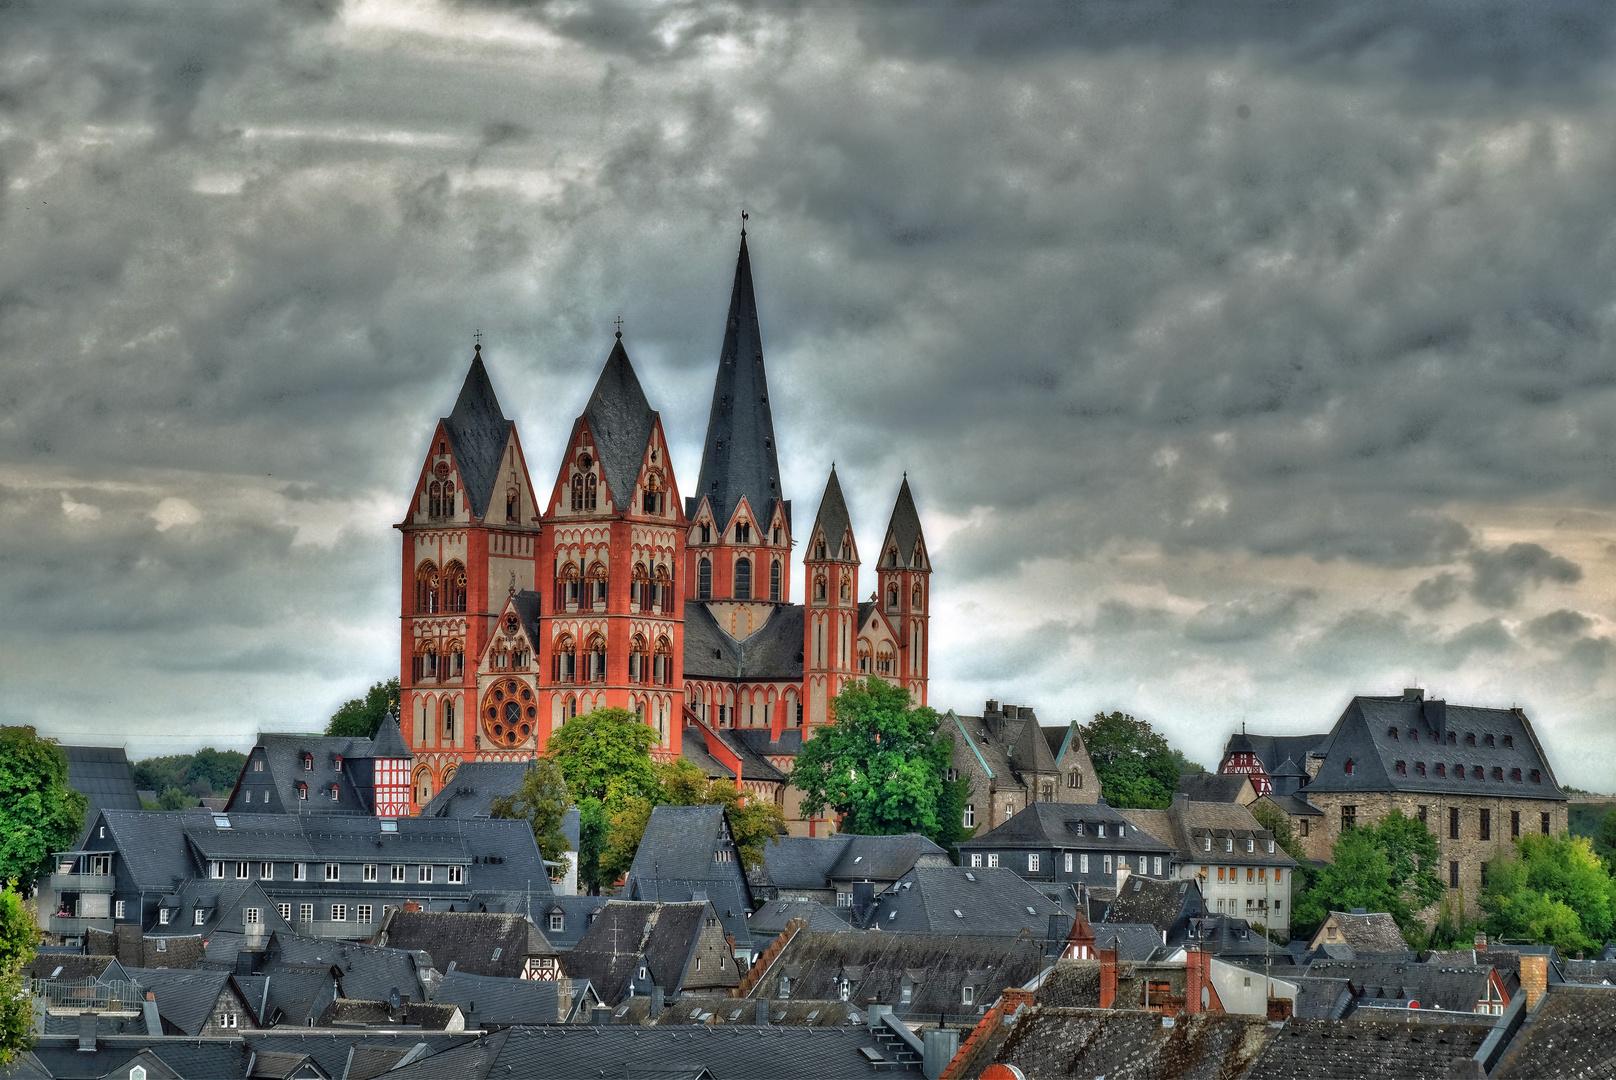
pixel 522 608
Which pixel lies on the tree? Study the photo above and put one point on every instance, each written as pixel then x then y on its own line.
pixel 361 717
pixel 753 822
pixel 879 764
pixel 19 937
pixel 1552 891
pixel 1387 867
pixel 605 755
pixel 541 800
pixel 1604 840
pixel 1135 765
pixel 593 829
pixel 1278 822
pixel 1185 766
pixel 951 828
pixel 39 813
pixel 194 776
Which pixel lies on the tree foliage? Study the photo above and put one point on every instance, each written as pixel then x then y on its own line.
pixel 1551 891
pixel 1135 765
pixel 19 937
pixel 605 755
pixel 201 775
pixel 753 822
pixel 39 813
pixel 878 765
pixel 593 831
pixel 1604 840
pixel 1387 867
pixel 541 800
pixel 360 718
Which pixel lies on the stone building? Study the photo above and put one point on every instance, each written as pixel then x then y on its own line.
pixel 1013 762
pixel 1477 777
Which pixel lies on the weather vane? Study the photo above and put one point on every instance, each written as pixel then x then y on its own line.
pixel 743 224
pixel 477 336
pixel 619 322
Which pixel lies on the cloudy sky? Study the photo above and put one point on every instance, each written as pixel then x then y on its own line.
pixel 1243 355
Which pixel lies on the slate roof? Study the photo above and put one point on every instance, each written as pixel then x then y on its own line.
pixel 1070 984
pixel 832 518
pixel 903 528
pixel 739 457
pixel 754 766
pixel 365 971
pixel 331 1050
pixel 1213 787
pixel 283 771
pixel 725 1052
pixel 59 1056
pixel 389 741
pixel 1571 1033
pixel 624 934
pixel 1363 736
pixel 1185 825
pixel 1273 749
pixel 487 1001
pixel 818 862
pixel 103 776
pixel 1069 825
pixel 709 1009
pixel 1294 805
pixel 185 996
pixel 773 652
pixel 478 432
pixel 1376 932
pixel 1009 745
pixel 675 862
pixel 471 792
pixel 769 921
pixel 1448 988
pixel 59 966
pixel 1069 1042
pixel 468 939
pixel 1372 1050
pixel 151 846
pixel 348 1012
pixel 1232 939
pixel 1133 941
pixel 1165 904
pixel 990 901
pixel 621 420
pixel 575 913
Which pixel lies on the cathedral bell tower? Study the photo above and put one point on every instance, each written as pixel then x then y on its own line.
pixel 904 593
pixel 830 625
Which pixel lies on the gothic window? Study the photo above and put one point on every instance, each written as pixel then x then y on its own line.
pixel 774 581
pixel 636 659
pixel 1046 792
pixel 820 587
pixel 704 580
pixel 423 789
pixel 426 589
pixel 884 663
pixel 448 720
pixel 578 491
pixel 892 597
pixel 864 657
pixel 914 560
pixel 847 550
pixel 510 712
pixel 597 584
pixel 653 492
pixel 454 581
pixel 743 579
pixel 1074 779
pixel 847 589
pixel 590 486
pixel 664 589
pixel 743 532
pixel 513 502
pixel 662 664
pixel 596 647
pixel 455 660
pixel 892 556
pixel 819 550
pixel 567 585
pixel 426 661
pixel 448 498
pixel 563 662
pixel 434 499
pixel 706 533
pixel 639 588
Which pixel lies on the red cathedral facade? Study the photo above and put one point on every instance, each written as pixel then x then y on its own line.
pixel 523 607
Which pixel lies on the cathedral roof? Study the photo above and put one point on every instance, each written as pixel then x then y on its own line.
pixel 620 419
pixel 904 528
pixel 389 741
pixel 772 653
pixel 832 517
pixel 739 458
pixel 478 432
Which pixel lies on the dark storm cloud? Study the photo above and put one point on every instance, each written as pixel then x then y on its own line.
pixel 1218 330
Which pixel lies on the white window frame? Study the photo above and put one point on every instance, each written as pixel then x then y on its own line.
pixel 1032 862
pixel 300 871
pixel 250 916
pixel 362 913
pixel 976 858
pixel 198 917
pixel 241 870
pixel 457 875
pixel 398 872
pixel 117 909
pixel 162 916
pixel 1068 862
pixel 968 995
pixel 1158 866
pixel 284 911
pixel 333 871
pixel 339 912
pixel 305 913
pixel 969 817
pixel 1083 863
pixel 216 869
pixel 993 859
pixel 558 922
pixel 369 873
pixel 424 874
pixel 266 871
pixel 1108 867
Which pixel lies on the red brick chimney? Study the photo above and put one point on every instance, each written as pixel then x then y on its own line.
pixel 1534 978
pixel 1481 942
pixel 1198 981
pixel 1108 977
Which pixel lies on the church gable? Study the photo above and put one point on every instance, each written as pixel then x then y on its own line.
pixel 514 500
pixel 656 492
pixel 514 642
pixel 877 643
pixel 440 490
pixel 580 487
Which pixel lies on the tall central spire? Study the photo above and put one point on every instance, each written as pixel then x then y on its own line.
pixel 739 458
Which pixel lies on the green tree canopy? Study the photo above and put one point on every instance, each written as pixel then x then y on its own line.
pixel 1604 840
pixel 1551 891
pixel 19 937
pixel 1387 867
pixel 1135 765
pixel 194 776
pixel 361 717
pixel 605 755
pixel 594 828
pixel 879 764
pixel 541 800
pixel 753 822
pixel 39 813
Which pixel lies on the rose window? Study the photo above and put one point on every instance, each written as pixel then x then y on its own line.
pixel 509 713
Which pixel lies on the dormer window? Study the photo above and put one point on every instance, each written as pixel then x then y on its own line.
pixel 1488 740
pixel 308 762
pixel 1509 740
pixel 1392 732
pixel 1402 768
pixel 1470 738
pixel 337 764
pixel 1349 766
pixel 1228 843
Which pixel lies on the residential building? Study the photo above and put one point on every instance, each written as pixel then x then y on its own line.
pixel 823 869
pixel 631 947
pixel 686 855
pixel 1014 761
pixel 1365 933
pixel 1218 787
pixel 502 945
pixel 1256 756
pixel 1167 906
pixel 950 900
pixel 325 774
pixel 1071 843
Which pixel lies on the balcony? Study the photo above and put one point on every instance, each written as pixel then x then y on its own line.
pixel 83 883
pixel 72 926
pixel 325 928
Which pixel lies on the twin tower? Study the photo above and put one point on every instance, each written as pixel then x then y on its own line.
pixel 523 608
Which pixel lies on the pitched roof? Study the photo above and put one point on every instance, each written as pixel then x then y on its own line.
pixel 772 652
pixel 389 741
pixel 1133 941
pixel 1069 1042
pixel 1434 733
pixel 621 420
pixel 1186 824
pixel 331 1050
pixel 832 517
pixel 739 457
pixel 103 776
pixel 1375 932
pixel 367 971
pixel 955 900
pixel 1273 749
pixel 1166 905
pixel 903 528
pixel 1443 987
pixel 478 432
pixel 487 1000
pixel 626 933
pixel 475 942
pixel 1213 787
pixel 1370 1050
pixel 274 790
pixel 676 863
pixel 1069 825
pixel 1570 1034
pixel 185 996
pixel 471 791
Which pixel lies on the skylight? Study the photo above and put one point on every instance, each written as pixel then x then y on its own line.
pixel 389 826
pixel 958 914
pixel 220 821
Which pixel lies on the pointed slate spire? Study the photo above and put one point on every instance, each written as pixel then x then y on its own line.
pixel 904 529
pixel 621 420
pixel 832 518
pixel 478 432
pixel 739 457
pixel 389 741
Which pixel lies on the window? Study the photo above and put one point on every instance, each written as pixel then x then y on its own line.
pixel 993 859
pixel 1537 777
pixel 1108 867
pixel 249 916
pixel 1544 820
pixel 1278 877
pixel 300 871
pixel 1068 862
pixel 362 913
pixel 1453 875
pixel 216 869
pixel 398 873
pixel 970 815
pixel 1228 843
pixel 1206 843
pixel 976 858
pixel 117 909
pixel 558 922
pixel 774 581
pixel 1158 870
pixel 425 875
pixel 258 765
pixel 1032 864
pixel 1305 825
pixel 333 871
pixel 968 995
pixel 305 913
pixel 1486 825
pixel 1270 847
pixel 1349 766
pixel 704 580
pixel 1349 817
pixel 226 1020
pixel 198 917
pixel 302 791
pixel 1220 873
pixel 1251 845
pixel 241 871
pixel 137 1072
pixel 1249 875
pixel 284 911
pixel 1453 823
pixel 457 875
pixel 162 916
pixel 743 578
pixel 369 872
pixel 1402 768
pixel 266 871
pixel 339 912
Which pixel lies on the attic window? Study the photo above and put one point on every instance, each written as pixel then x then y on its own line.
pixel 220 821
pixel 1402 768
pixel 1419 767
pixel 1349 766
pixel 496 953
pixel 1488 740
pixel 1392 732
pixel 1537 777
pixel 1509 740
pixel 969 876
pixel 958 914
pixel 389 826
pixel 1413 736
pixel 1470 738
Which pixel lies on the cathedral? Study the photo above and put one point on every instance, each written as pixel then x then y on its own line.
pixel 524 607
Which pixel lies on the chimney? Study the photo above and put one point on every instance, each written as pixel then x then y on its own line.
pixel 1481 942
pixel 1435 713
pixel 1534 978
pixel 148 1012
pixel 760 1016
pixel 656 1003
pixel 601 1015
pixel 411 905
pixel 863 900
pixel 940 1046
pixel 1197 981
pixel 991 707
pixel 1413 693
pixel 1108 976
pixel 87 1032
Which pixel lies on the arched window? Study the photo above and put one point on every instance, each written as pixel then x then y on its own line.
pixel 653 492
pixel 884 663
pixel 569 708
pixel 448 720
pixel 578 491
pixel 426 661
pixel 567 585
pixel 774 581
pixel 597 583
pixel 564 661
pixel 914 599
pixel 892 597
pixel 743 579
pixel 1074 779
pixel 914 559
pixel 454 587
pixel 663 595
pixel 820 588
pixel 434 499
pixel 302 791
pixel 637 668
pixel 448 498
pixel 662 663
pixel 892 556
pixel 639 588
pixel 589 491
pixel 513 503
pixel 704 580
pixel 819 550
pixel 847 550
pixel 864 657
pixel 455 660
pixel 596 648
pixel 423 785
pixel 426 588
pixel 847 589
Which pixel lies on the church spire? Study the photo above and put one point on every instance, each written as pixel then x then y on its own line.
pixel 739 457
pixel 477 431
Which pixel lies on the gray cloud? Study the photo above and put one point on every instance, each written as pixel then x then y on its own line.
pixel 1500 576
pixel 1558 625
pixel 1247 618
